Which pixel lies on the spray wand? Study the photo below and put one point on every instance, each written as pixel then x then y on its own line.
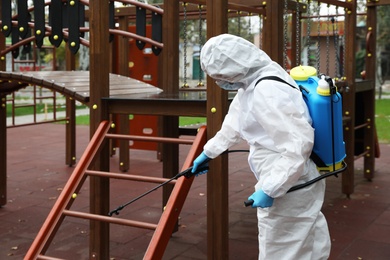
pixel 186 173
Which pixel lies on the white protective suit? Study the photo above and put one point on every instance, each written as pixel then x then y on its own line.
pixel 274 119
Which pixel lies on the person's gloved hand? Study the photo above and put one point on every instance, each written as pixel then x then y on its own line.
pixel 201 159
pixel 260 199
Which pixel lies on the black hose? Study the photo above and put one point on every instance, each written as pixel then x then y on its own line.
pixel 303 185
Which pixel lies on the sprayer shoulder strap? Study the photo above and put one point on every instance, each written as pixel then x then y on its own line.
pixel 276 79
pixel 317 160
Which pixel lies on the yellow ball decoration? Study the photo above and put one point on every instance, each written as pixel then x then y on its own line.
pixel 213 110
pixel 55 37
pixel 38 32
pixel 94 106
pixel 74 195
pixel 21 29
pixel 5 27
pixel 72 44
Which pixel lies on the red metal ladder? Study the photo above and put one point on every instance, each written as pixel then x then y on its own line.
pixel 162 231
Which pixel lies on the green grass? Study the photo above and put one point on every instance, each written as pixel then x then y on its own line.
pixel 82 120
pixel 191 120
pixel 382 120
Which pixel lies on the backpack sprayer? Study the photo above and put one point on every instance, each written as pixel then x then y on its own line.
pixel 325 108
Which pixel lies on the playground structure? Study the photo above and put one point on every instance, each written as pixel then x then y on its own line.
pixel 106 94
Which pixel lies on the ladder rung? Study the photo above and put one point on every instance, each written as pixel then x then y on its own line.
pixel 150 139
pixel 119 221
pixel 361 126
pixel 44 257
pixel 361 155
pixel 128 177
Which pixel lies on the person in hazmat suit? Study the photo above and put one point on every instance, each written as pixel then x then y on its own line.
pixel 274 120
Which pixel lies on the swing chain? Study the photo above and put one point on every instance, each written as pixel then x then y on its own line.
pixel 327 42
pixel 239 22
pixel 250 23
pixel 185 84
pixel 318 54
pixel 344 49
pixel 336 43
pixel 200 83
pixel 297 35
pixel 260 30
pixel 308 39
pixel 285 22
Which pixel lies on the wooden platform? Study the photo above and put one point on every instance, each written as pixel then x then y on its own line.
pixel 75 84
pixel 126 96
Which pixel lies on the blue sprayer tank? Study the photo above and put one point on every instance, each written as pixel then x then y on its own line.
pixel 327 121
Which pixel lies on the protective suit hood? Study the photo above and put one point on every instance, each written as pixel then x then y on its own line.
pixel 229 58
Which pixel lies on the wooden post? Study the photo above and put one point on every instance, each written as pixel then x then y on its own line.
pixel 3 150
pixel 70 132
pixel 3 130
pixel 273 30
pixel 349 100
pixel 369 98
pixel 169 81
pixel 217 179
pixel 70 129
pixel 123 69
pixel 99 87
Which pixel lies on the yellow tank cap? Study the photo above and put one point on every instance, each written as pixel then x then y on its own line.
pixel 302 73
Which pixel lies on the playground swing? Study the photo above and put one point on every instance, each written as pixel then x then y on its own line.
pixel 185 84
pixel 185 45
pixel 329 20
pixel 260 30
pixel 285 38
pixel 318 53
pixel 200 77
pixel 297 20
pixel 297 35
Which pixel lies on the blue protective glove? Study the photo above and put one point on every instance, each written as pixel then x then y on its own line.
pixel 260 199
pixel 201 159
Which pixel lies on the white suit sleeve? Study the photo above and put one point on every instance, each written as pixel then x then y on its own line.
pixel 284 122
pixel 228 135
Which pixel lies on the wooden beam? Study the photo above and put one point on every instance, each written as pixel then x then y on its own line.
pixel 273 39
pixel 349 101
pixel 217 179
pixel 169 81
pixel 376 3
pixel 70 128
pixel 3 130
pixel 3 150
pixel 99 88
pixel 369 96
pixel 123 69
